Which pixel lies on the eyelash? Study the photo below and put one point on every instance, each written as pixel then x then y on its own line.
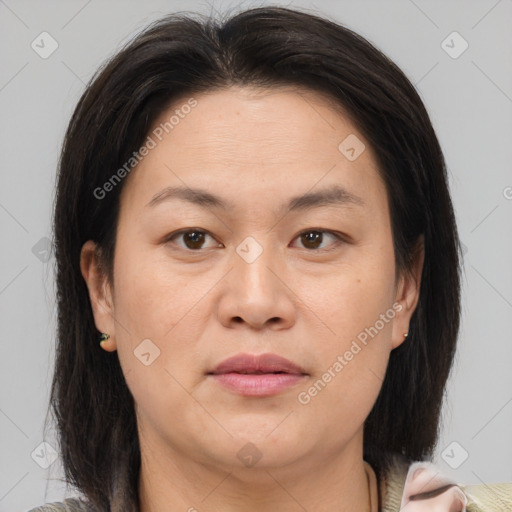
pixel 339 237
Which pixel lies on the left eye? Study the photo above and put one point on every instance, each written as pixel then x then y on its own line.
pixel 194 239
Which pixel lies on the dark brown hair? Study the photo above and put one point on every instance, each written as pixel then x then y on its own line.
pixel 185 54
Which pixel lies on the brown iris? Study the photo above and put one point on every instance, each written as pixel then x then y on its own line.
pixel 316 237
pixel 195 238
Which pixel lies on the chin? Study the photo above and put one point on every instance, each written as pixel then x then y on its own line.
pixel 259 445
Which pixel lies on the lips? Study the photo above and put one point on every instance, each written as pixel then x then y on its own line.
pixel 257 376
pixel 257 364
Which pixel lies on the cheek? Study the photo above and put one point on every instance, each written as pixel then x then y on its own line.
pixel 155 331
pixel 156 301
pixel 352 296
pixel 152 296
pixel 356 303
pixel 353 361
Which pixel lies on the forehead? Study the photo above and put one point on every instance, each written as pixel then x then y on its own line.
pixel 251 139
pixel 264 120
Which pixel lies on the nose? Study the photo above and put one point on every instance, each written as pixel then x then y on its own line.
pixel 257 293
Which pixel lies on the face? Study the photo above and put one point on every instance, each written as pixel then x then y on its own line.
pixel 289 254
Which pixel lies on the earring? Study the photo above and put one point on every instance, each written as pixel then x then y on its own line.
pixel 406 334
pixel 104 337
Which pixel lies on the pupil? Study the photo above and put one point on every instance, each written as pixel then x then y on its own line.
pixel 316 237
pixel 195 238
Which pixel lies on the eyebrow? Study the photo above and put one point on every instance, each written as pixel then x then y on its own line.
pixel 334 195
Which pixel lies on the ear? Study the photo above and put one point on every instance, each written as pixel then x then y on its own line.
pixel 407 294
pixel 99 293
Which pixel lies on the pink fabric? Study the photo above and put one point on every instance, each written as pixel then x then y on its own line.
pixel 424 477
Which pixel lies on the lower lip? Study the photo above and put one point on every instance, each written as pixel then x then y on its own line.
pixel 264 384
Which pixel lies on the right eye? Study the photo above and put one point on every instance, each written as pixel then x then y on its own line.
pixel 193 239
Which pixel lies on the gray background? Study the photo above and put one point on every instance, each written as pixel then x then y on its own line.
pixel 470 102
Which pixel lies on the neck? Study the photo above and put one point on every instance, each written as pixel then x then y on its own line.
pixel 170 481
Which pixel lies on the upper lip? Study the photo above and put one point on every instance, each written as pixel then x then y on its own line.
pixel 257 363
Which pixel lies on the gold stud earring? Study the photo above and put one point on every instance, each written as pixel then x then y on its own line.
pixel 104 337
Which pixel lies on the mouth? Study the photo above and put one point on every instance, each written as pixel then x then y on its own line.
pixel 257 375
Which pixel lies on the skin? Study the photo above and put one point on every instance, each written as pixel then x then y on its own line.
pixel 255 149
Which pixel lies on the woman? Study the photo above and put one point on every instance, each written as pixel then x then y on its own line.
pixel 254 219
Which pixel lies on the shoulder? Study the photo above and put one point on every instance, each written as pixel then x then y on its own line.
pixel 432 488
pixel 489 497
pixel 68 505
